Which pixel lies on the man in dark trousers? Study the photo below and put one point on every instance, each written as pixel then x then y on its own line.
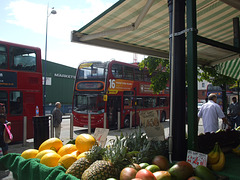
pixel 57 119
pixel 234 112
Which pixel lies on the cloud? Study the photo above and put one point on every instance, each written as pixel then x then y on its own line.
pixel 33 16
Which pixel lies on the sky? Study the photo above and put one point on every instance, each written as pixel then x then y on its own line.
pixel 24 22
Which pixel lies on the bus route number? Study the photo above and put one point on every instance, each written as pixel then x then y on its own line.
pixel 112 83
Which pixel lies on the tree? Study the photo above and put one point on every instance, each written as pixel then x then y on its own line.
pixel 159 71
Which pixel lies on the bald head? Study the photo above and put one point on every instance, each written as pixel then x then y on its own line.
pixel 212 97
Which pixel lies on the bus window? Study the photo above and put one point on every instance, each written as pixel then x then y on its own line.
pixel 163 101
pixel 128 73
pixel 16 104
pixel 139 103
pixel 147 77
pixel 117 70
pixel 22 59
pixel 148 102
pixel 3 57
pixel 138 75
pixel 4 98
pixel 127 102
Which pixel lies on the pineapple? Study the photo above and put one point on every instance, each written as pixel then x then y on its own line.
pixel 79 166
pixel 116 157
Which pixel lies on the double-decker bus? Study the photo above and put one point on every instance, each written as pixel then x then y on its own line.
pixel 114 88
pixel 20 85
pixel 218 91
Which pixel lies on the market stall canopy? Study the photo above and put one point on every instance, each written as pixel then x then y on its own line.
pixel 142 26
pixel 230 68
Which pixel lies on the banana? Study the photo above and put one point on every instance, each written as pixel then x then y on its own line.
pixel 213 156
pixel 236 150
pixel 220 164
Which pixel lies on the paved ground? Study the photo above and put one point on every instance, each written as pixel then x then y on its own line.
pixel 65 136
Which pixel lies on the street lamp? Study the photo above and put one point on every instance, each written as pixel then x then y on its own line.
pixel 45 62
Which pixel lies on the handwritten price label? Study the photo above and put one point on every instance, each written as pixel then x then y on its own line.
pixel 196 158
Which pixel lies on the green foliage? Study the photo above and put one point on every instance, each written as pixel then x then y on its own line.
pixel 211 75
pixel 159 71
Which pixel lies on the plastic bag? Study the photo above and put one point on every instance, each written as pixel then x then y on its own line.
pixel 7 135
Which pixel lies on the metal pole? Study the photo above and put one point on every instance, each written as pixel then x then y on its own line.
pixel 71 126
pixel 119 122
pixel 45 62
pixel 89 123
pixel 192 76
pixel 105 120
pixel 24 130
pixel 130 119
pixel 51 126
pixel 159 116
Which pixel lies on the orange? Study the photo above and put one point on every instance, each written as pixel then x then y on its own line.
pixel 29 153
pixel 67 149
pixel 52 143
pixel 50 159
pixel 76 153
pixel 67 160
pixel 81 155
pixel 42 153
pixel 84 142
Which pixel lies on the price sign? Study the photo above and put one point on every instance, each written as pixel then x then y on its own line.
pixel 196 158
pixel 100 135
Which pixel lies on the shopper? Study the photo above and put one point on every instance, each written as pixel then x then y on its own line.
pixel 3 120
pixel 57 119
pixel 210 112
pixel 234 113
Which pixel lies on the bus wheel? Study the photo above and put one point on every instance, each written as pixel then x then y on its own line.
pixel 127 122
pixel 163 116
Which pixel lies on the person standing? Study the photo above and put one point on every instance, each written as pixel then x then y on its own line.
pixel 3 121
pixel 57 119
pixel 210 112
pixel 234 113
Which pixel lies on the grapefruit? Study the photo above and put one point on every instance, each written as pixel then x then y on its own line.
pixel 67 149
pixel 84 142
pixel 67 160
pixel 29 153
pixel 42 153
pixel 50 159
pixel 52 143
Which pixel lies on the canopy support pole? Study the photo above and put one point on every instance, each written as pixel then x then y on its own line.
pixel 179 148
pixel 192 76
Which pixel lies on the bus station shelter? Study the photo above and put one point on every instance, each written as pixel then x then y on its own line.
pixel 196 32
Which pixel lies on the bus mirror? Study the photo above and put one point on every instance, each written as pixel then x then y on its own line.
pixel 105 97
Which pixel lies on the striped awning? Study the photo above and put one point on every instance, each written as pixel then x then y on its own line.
pixel 142 26
pixel 230 68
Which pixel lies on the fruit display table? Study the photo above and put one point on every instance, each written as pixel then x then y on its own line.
pixel 231 169
pixel 31 169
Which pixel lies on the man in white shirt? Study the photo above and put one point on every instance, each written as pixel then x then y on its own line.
pixel 210 112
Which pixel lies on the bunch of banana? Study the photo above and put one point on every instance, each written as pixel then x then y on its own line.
pixel 236 150
pixel 216 158
pixel 237 128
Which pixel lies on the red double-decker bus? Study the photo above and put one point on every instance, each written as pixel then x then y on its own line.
pixel 113 87
pixel 20 85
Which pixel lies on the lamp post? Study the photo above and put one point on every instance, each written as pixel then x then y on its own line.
pixel 45 61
